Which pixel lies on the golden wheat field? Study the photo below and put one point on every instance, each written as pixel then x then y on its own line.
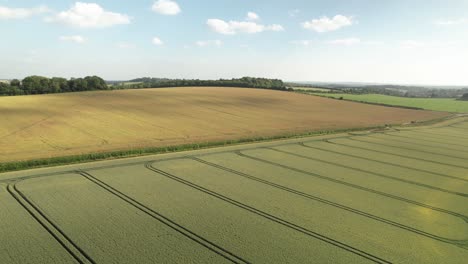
pixel 43 126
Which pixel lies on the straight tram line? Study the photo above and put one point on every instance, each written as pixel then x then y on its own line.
pixel 334 204
pixel 431 140
pixel 463 217
pixel 165 220
pixel 435 137
pixel 382 162
pixel 372 173
pixel 417 144
pixel 66 242
pixel 268 216
pixel 401 155
pixel 455 133
pixel 459 127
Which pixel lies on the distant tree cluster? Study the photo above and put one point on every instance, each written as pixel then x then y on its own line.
pixel 464 97
pixel 249 82
pixel 407 91
pixel 44 85
pixel 392 90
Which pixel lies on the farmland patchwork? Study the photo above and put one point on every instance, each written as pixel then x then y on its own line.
pixel 389 196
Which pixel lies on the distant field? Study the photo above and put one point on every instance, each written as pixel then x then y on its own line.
pixel 43 126
pixel 130 83
pixel 386 196
pixel 311 89
pixel 436 104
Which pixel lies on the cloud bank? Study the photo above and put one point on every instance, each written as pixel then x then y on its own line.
pixel 235 27
pixel 325 24
pixel 21 13
pixel 89 15
pixel 166 7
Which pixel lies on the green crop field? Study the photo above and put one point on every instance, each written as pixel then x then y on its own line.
pixel 394 195
pixel 436 104
pixel 313 89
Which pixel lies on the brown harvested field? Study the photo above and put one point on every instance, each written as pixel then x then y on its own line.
pixel 43 126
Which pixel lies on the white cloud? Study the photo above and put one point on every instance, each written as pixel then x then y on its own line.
pixel 89 15
pixel 20 13
pixel 157 41
pixel 325 24
pixel 416 44
pixel 205 43
pixel 373 42
pixel 234 27
pixel 302 42
pixel 410 44
pixel 293 13
pixel 452 22
pixel 251 16
pixel 166 7
pixel 274 27
pixel 125 45
pixel 346 41
pixel 76 38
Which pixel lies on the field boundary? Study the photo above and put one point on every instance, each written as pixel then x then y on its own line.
pixel 218 149
pixel 119 154
pixel 364 102
pixel 140 152
pixel 341 97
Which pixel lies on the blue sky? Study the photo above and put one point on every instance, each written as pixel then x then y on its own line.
pixel 412 42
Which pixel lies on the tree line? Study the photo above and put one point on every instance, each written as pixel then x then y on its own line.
pixel 249 82
pixel 43 85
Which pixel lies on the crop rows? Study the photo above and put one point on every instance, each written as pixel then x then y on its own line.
pixel 396 196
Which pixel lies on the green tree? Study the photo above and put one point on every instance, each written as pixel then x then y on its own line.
pixel 81 84
pixel 4 88
pixel 95 83
pixel 58 85
pixel 15 82
pixel 36 85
